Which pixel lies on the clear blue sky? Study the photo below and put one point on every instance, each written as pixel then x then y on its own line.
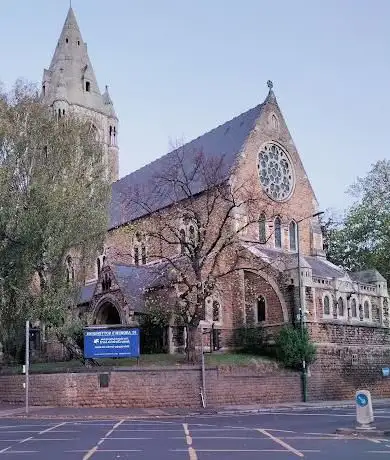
pixel 178 68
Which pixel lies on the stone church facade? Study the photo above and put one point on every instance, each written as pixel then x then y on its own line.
pixel 347 314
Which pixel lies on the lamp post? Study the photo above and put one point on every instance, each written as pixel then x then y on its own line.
pixel 301 312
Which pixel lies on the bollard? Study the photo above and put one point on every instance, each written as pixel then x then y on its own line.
pixel 364 412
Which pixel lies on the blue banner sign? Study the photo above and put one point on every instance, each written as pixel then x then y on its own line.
pixel 111 343
pixel 386 371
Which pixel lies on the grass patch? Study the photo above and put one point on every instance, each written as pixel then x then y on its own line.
pixel 152 360
pixel 234 359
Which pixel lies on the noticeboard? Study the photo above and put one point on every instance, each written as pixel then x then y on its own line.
pixel 111 343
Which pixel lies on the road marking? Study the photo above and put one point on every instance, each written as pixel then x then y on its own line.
pixel 191 451
pixel 54 439
pixel 102 450
pixel 246 450
pixel 52 428
pixel 135 439
pixel 281 443
pixel 89 454
pixel 114 428
pixel 6 449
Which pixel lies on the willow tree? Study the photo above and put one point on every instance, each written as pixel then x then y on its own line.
pixel 54 196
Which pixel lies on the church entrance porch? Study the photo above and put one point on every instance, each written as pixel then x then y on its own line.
pixel 107 313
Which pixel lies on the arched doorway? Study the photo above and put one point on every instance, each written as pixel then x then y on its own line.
pixel 108 314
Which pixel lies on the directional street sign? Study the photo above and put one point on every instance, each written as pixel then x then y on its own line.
pixel 364 412
pixel 361 400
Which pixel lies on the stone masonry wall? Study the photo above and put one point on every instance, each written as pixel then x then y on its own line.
pixel 155 388
pixel 349 358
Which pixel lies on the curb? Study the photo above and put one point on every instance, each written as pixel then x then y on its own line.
pixel 359 433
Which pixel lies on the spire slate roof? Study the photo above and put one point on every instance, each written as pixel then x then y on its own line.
pixel 71 63
pixel 226 140
pixel 109 104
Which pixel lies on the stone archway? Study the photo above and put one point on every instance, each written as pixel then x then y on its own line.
pixel 107 313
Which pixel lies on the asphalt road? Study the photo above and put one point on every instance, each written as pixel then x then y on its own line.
pixel 270 435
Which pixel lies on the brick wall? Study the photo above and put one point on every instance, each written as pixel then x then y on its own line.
pixel 156 388
pixel 340 371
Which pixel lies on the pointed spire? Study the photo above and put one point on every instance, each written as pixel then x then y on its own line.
pixel 271 96
pixel 71 56
pixel 108 104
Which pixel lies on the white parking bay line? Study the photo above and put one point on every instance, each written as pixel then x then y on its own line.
pixel 7 449
pixel 89 454
pixel 281 443
pixel 52 428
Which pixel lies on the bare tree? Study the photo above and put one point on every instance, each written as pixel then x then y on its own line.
pixel 198 215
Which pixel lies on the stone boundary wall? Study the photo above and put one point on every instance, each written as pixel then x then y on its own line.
pixel 163 387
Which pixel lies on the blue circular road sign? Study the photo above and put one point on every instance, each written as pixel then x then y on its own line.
pixel 361 400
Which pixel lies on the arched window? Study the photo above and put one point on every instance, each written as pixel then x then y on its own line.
pixel 274 121
pixel 260 309
pixel 354 312
pixel 182 234
pixel 69 269
pixel 136 255
pixel 366 309
pixel 326 305
pixel 143 254
pixel 278 232
pixel 192 235
pixel 262 228
pixel 293 235
pixel 189 236
pixel 140 249
pixel 99 268
pixel 340 305
pixel 216 311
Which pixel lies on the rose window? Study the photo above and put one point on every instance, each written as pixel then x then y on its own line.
pixel 276 172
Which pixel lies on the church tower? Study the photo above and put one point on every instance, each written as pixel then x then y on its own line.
pixel 70 85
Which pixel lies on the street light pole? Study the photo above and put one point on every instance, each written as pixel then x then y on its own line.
pixel 300 309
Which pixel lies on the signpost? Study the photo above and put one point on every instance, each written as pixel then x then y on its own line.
pixel 26 367
pixel 111 343
pixel 364 412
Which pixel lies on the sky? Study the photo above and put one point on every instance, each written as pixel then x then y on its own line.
pixel 178 68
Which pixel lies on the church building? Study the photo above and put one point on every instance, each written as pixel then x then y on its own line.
pixel 286 277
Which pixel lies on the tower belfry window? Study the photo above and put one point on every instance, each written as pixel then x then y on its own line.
pixel 87 86
pixel 67 40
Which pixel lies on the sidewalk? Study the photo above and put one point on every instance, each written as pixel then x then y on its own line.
pixel 8 411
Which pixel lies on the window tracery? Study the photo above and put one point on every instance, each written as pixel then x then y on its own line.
pixel 275 172
pixel 139 249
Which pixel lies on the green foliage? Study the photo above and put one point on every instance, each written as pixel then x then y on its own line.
pixel 361 240
pixel 293 346
pixel 54 201
pixel 250 340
